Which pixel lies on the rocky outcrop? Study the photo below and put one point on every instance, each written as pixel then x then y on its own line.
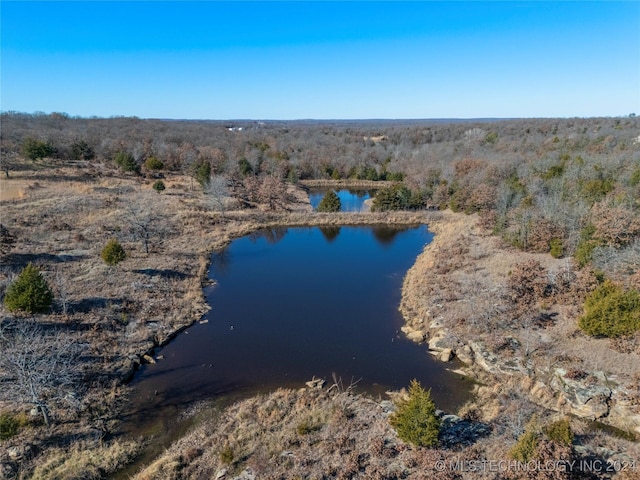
pixel 595 396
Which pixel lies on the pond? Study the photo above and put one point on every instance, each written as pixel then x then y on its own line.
pixel 291 304
pixel 351 200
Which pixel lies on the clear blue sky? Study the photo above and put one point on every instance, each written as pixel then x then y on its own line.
pixel 293 60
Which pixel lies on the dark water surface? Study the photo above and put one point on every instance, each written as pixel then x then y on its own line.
pixel 351 200
pixel 290 304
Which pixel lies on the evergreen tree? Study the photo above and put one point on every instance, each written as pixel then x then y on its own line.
pixel 126 162
pixel 415 419
pixel 330 202
pixel 36 149
pixel 159 186
pixel 395 197
pixel 113 253
pixel 29 293
pixel 152 163
pixel 203 173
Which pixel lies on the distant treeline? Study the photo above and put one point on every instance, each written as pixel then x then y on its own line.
pixel 567 186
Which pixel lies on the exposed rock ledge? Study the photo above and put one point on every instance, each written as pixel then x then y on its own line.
pixel 610 397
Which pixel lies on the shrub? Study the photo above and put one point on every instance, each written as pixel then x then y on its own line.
pixel 415 419
pixel 308 426
pixel 554 171
pixel 524 449
pixel 586 245
pixel 560 432
pixel 202 173
pixel 158 186
pixel 611 311
pixel 81 150
pixel 10 425
pixel 35 149
pixel 584 251
pixel 330 202
pixel 555 247
pixel 29 293
pixel 152 163
pixel 595 190
pixel 126 162
pixel 395 176
pixel 113 253
pixel 528 283
pixel 227 455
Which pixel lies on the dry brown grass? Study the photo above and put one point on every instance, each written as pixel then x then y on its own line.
pixel 460 284
pixel 67 214
pixel 85 461
pixel 308 433
pixel 63 220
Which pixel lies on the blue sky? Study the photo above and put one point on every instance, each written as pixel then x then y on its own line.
pixel 323 60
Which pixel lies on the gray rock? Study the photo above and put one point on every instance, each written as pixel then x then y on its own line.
pixel 221 474
pixel 246 475
pixel 15 453
pixel 442 340
pixel 465 354
pixel 387 406
pixel 584 400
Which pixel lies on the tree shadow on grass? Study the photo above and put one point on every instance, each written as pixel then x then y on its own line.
pixel 456 432
pixel 164 273
pixel 17 261
pixel 87 305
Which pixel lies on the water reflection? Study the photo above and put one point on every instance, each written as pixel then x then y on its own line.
pixel 221 260
pixel 386 234
pixel 351 200
pixel 271 234
pixel 290 304
pixel 330 232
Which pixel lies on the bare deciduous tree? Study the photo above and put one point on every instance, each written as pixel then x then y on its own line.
pixel 38 368
pixel 146 224
pixel 217 191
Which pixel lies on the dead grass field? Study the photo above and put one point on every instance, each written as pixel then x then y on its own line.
pixel 62 216
pixel 457 294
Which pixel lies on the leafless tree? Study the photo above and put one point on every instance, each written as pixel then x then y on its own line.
pixel 38 368
pixel 8 160
pixel 62 292
pixel 217 191
pixel 145 222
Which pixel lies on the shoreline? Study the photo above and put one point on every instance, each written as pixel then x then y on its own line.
pixel 604 396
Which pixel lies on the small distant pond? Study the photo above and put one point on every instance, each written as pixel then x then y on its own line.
pixel 291 304
pixel 352 200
